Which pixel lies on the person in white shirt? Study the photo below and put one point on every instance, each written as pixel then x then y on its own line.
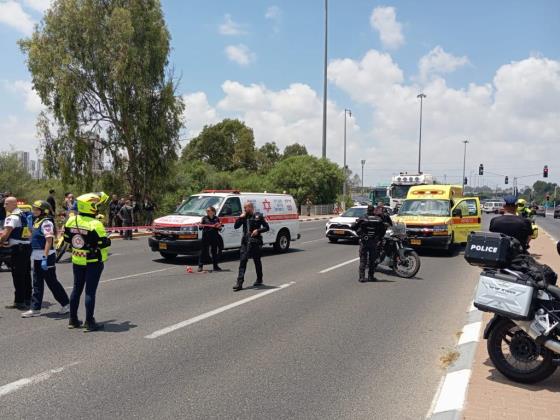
pixel 44 260
pixel 14 237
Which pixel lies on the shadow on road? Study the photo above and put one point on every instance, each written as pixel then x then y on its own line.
pixel 227 256
pixel 111 326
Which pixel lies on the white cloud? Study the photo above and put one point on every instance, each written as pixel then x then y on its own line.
pixel 384 20
pixel 231 28
pixel 198 113
pixel 240 54
pixel 30 98
pixel 38 5
pixel 438 62
pixel 12 14
pixel 274 14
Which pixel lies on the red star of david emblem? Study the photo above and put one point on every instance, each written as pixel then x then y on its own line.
pixel 266 205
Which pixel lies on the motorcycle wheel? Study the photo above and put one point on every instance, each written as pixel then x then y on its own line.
pixel 407 267
pixel 517 356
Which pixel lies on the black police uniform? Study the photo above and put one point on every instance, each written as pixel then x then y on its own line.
pixel 371 228
pixel 210 239
pixel 515 226
pixel 251 247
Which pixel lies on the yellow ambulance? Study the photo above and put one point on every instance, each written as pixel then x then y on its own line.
pixel 438 216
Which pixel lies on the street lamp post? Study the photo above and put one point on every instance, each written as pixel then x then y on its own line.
pixel 421 96
pixel 344 187
pixel 325 81
pixel 464 162
pixel 363 163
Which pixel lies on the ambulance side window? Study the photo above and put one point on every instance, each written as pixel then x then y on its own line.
pixel 232 207
pixel 468 208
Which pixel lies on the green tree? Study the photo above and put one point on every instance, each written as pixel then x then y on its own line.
pixel 307 177
pixel 13 176
pixel 267 156
pixel 101 69
pixel 228 145
pixel 295 149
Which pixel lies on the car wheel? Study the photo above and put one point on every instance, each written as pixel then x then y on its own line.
pixel 282 243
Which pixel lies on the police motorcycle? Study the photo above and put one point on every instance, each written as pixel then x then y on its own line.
pixel 523 337
pixel 395 255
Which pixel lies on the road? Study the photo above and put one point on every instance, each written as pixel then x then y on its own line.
pixel 315 345
pixel 551 225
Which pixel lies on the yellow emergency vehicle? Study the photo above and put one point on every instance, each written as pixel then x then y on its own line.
pixel 438 216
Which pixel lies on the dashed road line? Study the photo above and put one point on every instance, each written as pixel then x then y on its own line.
pixel 131 276
pixel 17 385
pixel 334 267
pixel 191 321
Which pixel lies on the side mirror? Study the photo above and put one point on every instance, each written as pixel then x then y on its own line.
pixel 457 213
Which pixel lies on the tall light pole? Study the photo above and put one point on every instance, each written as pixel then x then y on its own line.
pixel 349 113
pixel 465 142
pixel 421 96
pixel 363 163
pixel 325 81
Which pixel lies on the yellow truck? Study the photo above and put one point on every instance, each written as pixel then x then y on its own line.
pixel 438 216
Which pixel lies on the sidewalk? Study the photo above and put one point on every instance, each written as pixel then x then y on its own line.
pixel 491 396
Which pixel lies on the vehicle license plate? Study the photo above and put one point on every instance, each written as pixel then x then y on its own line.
pixel 162 245
pixel 415 242
pixel 339 232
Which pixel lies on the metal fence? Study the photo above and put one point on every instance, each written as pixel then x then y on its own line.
pixel 317 210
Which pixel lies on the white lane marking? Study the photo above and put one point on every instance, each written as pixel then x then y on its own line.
pixel 334 267
pixel 217 311
pixel 14 386
pixel 453 390
pixel 471 333
pixel 314 240
pixel 472 307
pixel 131 276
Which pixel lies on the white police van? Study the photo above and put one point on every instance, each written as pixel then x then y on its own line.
pixel 180 234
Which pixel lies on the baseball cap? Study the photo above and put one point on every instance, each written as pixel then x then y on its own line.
pixel 510 200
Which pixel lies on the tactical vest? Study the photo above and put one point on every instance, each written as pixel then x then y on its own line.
pixel 87 238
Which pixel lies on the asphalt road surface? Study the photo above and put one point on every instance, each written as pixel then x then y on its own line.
pixel 315 344
pixel 550 224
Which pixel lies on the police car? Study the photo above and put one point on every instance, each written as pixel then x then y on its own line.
pixel 340 227
pixel 180 233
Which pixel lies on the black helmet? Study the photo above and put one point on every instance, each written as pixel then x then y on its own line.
pixel 43 206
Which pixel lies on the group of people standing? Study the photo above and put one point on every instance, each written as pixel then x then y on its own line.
pixel 127 212
pixel 31 242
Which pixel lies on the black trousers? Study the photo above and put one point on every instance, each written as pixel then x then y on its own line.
pixel 85 276
pixel 21 273
pixel 40 277
pixel 250 250
pixel 212 246
pixel 369 250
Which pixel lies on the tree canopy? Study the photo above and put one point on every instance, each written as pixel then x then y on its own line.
pixel 101 69
pixel 295 149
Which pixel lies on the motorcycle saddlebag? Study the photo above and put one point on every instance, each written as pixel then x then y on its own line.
pixel 505 295
pixel 487 249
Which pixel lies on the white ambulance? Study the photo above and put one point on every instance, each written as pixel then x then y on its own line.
pixel 179 233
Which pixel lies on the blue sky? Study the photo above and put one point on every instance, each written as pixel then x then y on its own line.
pixel 489 62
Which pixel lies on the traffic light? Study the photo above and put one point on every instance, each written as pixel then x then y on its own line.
pixel 548 197
pixel 466 181
pixel 481 169
pixel 545 171
pixel 506 180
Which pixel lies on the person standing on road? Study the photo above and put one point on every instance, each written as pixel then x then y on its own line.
pixel 15 236
pixel 44 261
pixel 370 228
pixel 149 208
pixel 511 224
pixel 90 249
pixel 254 225
pixel 114 208
pixel 210 239
pixel 126 214
pixel 70 206
pixel 52 202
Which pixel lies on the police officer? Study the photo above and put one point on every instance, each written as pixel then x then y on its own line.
pixel 210 238
pixel 511 224
pixel 90 246
pixel 254 225
pixel 43 256
pixel 522 209
pixel 16 237
pixel 370 228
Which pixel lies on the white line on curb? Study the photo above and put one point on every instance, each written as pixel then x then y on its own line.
pixel 452 394
pixel 14 386
pixel 217 311
pixel 334 267
pixel 470 333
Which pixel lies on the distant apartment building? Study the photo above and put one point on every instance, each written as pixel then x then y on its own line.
pixel 23 157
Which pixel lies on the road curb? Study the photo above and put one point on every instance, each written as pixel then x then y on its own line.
pixel 317 218
pixel 543 230
pixel 449 401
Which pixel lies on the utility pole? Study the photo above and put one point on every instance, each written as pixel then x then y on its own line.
pixel 464 162
pixel 344 187
pixel 363 163
pixel 421 96
pixel 325 82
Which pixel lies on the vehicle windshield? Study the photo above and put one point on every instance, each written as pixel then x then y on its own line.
pixel 355 212
pixel 399 191
pixel 425 208
pixel 196 205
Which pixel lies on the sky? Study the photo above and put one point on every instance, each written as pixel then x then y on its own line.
pixel 490 71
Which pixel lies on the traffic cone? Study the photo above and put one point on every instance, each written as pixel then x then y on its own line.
pixel 189 269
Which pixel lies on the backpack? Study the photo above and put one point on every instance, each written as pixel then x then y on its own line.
pixel 526 264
